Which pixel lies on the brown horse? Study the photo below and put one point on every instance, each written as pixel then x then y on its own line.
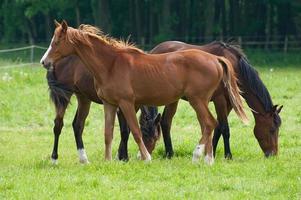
pixel 126 77
pixel 266 115
pixel 68 77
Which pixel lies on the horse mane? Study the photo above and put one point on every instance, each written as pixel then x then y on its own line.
pixel 85 30
pixel 148 113
pixel 252 79
pixel 235 49
pixel 248 74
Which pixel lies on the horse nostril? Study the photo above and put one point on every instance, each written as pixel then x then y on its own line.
pixel 46 65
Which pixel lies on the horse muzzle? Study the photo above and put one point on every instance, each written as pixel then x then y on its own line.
pixel 270 154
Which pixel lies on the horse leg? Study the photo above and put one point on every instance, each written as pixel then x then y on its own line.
pixel 207 123
pixel 129 111
pixel 110 113
pixel 226 137
pixel 222 111
pixel 124 132
pixel 226 132
pixel 78 125
pixel 166 121
pixel 58 125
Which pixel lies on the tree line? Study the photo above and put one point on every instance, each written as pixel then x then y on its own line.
pixel 152 21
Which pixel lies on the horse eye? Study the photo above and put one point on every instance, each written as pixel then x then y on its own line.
pixel 272 130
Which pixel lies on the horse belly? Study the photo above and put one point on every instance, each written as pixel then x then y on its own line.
pixel 157 96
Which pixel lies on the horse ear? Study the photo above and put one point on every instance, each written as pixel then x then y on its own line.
pixel 279 109
pixel 56 23
pixel 158 119
pixel 274 108
pixel 64 26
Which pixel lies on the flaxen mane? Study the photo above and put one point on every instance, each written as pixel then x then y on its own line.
pixel 119 44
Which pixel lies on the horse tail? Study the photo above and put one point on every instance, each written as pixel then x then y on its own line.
pixel 230 82
pixel 59 93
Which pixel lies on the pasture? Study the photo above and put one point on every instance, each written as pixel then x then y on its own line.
pixel 26 121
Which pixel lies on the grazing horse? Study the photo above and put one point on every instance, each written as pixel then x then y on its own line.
pixel 68 77
pixel 126 77
pixel 266 115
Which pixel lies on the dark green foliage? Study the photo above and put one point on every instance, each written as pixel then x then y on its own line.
pixel 153 21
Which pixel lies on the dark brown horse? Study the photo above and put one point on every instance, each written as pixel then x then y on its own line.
pixel 68 77
pixel 266 115
pixel 125 77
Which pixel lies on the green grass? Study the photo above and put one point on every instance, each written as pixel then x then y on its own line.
pixel 26 120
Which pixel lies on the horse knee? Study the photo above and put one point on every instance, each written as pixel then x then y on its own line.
pixel 214 123
pixel 211 126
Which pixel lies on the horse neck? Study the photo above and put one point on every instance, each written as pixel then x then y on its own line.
pixel 253 102
pixel 64 69
pixel 98 58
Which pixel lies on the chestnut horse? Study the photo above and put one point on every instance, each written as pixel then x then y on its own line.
pixel 68 77
pixel 266 115
pixel 126 77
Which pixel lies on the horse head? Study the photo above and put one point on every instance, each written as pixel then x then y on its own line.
pixel 266 130
pixel 60 46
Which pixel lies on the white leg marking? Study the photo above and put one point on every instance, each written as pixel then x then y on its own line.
pixel 198 152
pixel 54 161
pixel 148 158
pixel 116 156
pixel 82 156
pixel 209 159
pixel 47 52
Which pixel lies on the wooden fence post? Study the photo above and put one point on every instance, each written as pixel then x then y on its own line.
pixel 285 43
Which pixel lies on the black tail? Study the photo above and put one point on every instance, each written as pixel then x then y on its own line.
pixel 59 93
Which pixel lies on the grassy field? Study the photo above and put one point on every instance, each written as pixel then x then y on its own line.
pixel 26 120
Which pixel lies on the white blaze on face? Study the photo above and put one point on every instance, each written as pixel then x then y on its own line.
pixel 47 52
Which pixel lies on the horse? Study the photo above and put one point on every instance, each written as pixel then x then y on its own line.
pixel 266 114
pixel 126 77
pixel 69 77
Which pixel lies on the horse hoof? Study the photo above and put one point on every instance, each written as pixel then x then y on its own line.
pixel 228 156
pixel 54 161
pixel 168 155
pixel 121 157
pixel 148 158
pixel 209 160
pixel 84 161
pixel 82 156
pixel 197 153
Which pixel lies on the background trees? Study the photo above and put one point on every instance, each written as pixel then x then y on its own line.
pixel 152 21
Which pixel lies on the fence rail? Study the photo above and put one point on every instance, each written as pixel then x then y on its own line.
pixel 283 43
pixel 279 43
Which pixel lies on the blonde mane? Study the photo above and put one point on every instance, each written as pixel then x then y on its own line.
pixel 119 44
